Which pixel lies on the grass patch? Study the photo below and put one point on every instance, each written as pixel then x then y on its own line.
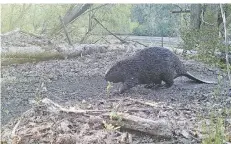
pixel 217 130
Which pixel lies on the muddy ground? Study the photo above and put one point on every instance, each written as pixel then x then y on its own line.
pixel 79 79
pixel 67 81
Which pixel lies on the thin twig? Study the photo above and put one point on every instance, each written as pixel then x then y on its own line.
pixel 96 8
pixel 139 43
pixel 178 6
pixel 13 133
pixel 15 128
pixel 145 103
pixel 65 31
pixel 56 107
pixel 110 32
pixel 105 40
pixel 97 41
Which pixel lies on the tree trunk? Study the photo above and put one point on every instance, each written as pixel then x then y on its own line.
pixel 71 15
pixel 211 14
pixel 220 20
pixel 195 20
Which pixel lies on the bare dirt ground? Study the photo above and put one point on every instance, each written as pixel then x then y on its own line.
pixel 79 82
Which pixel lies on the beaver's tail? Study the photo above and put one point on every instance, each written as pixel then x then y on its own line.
pixel 192 77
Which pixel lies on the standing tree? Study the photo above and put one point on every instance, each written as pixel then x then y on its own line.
pixel 203 33
pixel 195 16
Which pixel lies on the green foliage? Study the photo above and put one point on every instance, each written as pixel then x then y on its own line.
pixel 33 18
pixel 110 127
pixel 155 20
pixel 115 116
pixel 205 41
pixel 216 131
pixel 118 18
pixel 215 128
pixel 109 86
pixel 44 18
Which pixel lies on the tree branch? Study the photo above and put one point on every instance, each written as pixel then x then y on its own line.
pixel 65 31
pixel 96 8
pixel 178 6
pixel 123 41
pixel 139 43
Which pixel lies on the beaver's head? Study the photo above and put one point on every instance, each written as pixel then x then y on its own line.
pixel 116 73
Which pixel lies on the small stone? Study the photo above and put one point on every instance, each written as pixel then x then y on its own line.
pixel 84 101
pixel 185 134
pixel 89 106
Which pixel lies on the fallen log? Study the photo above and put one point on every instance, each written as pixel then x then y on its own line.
pixel 80 50
pixel 160 128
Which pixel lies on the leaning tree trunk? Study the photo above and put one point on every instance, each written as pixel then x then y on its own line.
pixel 71 15
pixel 75 12
pixel 195 20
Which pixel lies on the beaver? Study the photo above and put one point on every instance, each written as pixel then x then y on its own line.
pixel 149 66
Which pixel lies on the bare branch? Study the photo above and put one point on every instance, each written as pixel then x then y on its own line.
pixel 69 18
pixel 123 41
pixel 139 43
pixel 96 8
pixel 178 6
pixel 65 31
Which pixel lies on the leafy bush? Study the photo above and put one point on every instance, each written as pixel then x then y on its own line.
pixel 205 41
